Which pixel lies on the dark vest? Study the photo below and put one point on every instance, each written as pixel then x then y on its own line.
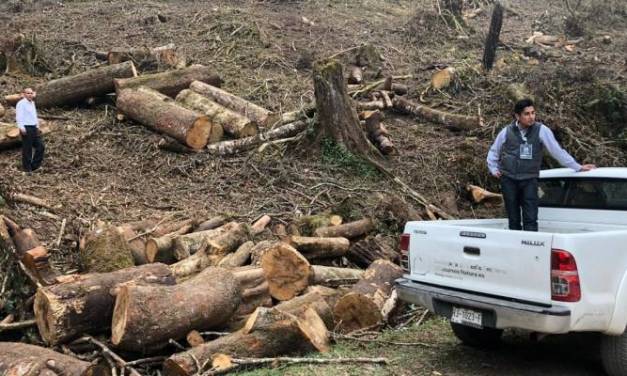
pixel 512 165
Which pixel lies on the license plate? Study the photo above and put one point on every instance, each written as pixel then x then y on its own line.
pixel 467 316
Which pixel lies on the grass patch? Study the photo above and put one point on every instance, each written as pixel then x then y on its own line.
pixel 337 155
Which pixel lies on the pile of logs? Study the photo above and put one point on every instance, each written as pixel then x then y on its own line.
pixel 269 292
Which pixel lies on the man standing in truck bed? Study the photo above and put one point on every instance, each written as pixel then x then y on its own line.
pixel 516 158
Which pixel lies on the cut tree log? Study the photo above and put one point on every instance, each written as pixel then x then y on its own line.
pixel 236 146
pixel 105 250
pixel 214 250
pixel 136 243
pixel 186 245
pixel 450 120
pixel 348 230
pixel 161 249
pixel 252 298
pixel 12 99
pixel 310 300
pixel 10 133
pixel 286 270
pixel 479 194
pixel 75 89
pixel 260 224
pixel 366 251
pixel 370 106
pixel 260 249
pixel 2 111
pixel 146 317
pixel 377 133
pixel 332 276
pixel 317 247
pixel 362 307
pixel 21 359
pixel 171 82
pixel 309 223
pixel 238 258
pixel 268 332
pixel 33 256
pixel 148 58
pixel 258 114
pixel 230 121
pixel 355 76
pixel 211 223
pixel 84 304
pixel 162 114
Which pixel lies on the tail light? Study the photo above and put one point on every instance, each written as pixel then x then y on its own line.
pixel 564 277
pixel 404 245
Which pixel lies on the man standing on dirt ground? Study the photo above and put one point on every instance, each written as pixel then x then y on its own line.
pixel 516 158
pixel 27 122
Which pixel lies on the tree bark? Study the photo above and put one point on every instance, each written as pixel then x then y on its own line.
pixel 337 119
pixel 84 304
pixel 362 307
pixel 366 251
pixel 268 332
pixel 238 258
pixel 136 244
pixel 258 114
pixel 236 146
pixel 286 270
pixel 171 82
pixel 231 122
pixel 161 249
pixel 313 300
pixel 146 317
pixel 10 133
pixel 147 58
pixel 185 245
pixel 211 223
pixel 316 247
pixel 309 223
pixel 332 276
pixel 348 230
pixel 27 247
pixel 17 359
pixel 377 133
pixel 492 40
pixel 214 250
pixel 454 121
pixel 162 114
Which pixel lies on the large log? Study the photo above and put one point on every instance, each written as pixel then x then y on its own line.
pixel 162 114
pixel 366 251
pixel 146 317
pixel 171 82
pixel 268 332
pixel 21 359
pixel 147 58
pixel 316 247
pixel 362 307
pixel 84 304
pixel 258 114
pixel 10 133
pixel 236 146
pixel 74 89
pixel 286 270
pixel 231 122
pixel 348 230
pixel 213 251
pixel 450 120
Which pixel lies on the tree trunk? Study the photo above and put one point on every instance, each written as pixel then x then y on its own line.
pixel 214 250
pixel 362 307
pixel 286 270
pixel 492 40
pixel 171 82
pixel 238 258
pixel 147 58
pixel 268 332
pixel 105 250
pixel 162 114
pixel 348 230
pixel 337 119
pixel 84 304
pixel 316 247
pixel 10 133
pixel 454 121
pixel 21 359
pixel 366 251
pixel 231 122
pixel 257 114
pixel 146 317
pixel 236 146
pixel 331 276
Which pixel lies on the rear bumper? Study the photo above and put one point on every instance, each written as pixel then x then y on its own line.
pixel 499 313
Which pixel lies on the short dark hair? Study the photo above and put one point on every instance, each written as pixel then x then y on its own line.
pixel 521 105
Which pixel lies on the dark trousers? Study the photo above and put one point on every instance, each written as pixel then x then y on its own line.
pixel 517 195
pixel 32 140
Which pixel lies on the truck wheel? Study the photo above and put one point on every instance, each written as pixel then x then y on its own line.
pixel 486 337
pixel 614 354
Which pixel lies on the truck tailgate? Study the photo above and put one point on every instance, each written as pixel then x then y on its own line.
pixel 513 264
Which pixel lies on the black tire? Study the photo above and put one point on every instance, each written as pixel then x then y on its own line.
pixel 481 338
pixel 614 354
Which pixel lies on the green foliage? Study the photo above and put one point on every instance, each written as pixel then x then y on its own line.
pixel 610 102
pixel 337 155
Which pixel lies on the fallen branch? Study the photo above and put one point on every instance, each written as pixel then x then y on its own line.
pixel 28 199
pixel 107 351
pixel 450 120
pixel 339 336
pixel 17 325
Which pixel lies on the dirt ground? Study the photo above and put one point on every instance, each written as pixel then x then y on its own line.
pixel 98 168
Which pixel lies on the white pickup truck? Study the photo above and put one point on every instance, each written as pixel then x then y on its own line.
pixel 570 276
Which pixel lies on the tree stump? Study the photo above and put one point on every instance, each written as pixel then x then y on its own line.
pixel 492 40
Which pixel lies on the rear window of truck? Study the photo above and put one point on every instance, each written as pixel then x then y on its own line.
pixel 583 193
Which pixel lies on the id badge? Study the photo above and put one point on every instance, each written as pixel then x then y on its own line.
pixel 526 151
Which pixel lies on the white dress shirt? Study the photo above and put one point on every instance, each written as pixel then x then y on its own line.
pixel 26 114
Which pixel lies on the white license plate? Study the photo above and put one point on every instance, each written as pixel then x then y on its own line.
pixel 466 316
